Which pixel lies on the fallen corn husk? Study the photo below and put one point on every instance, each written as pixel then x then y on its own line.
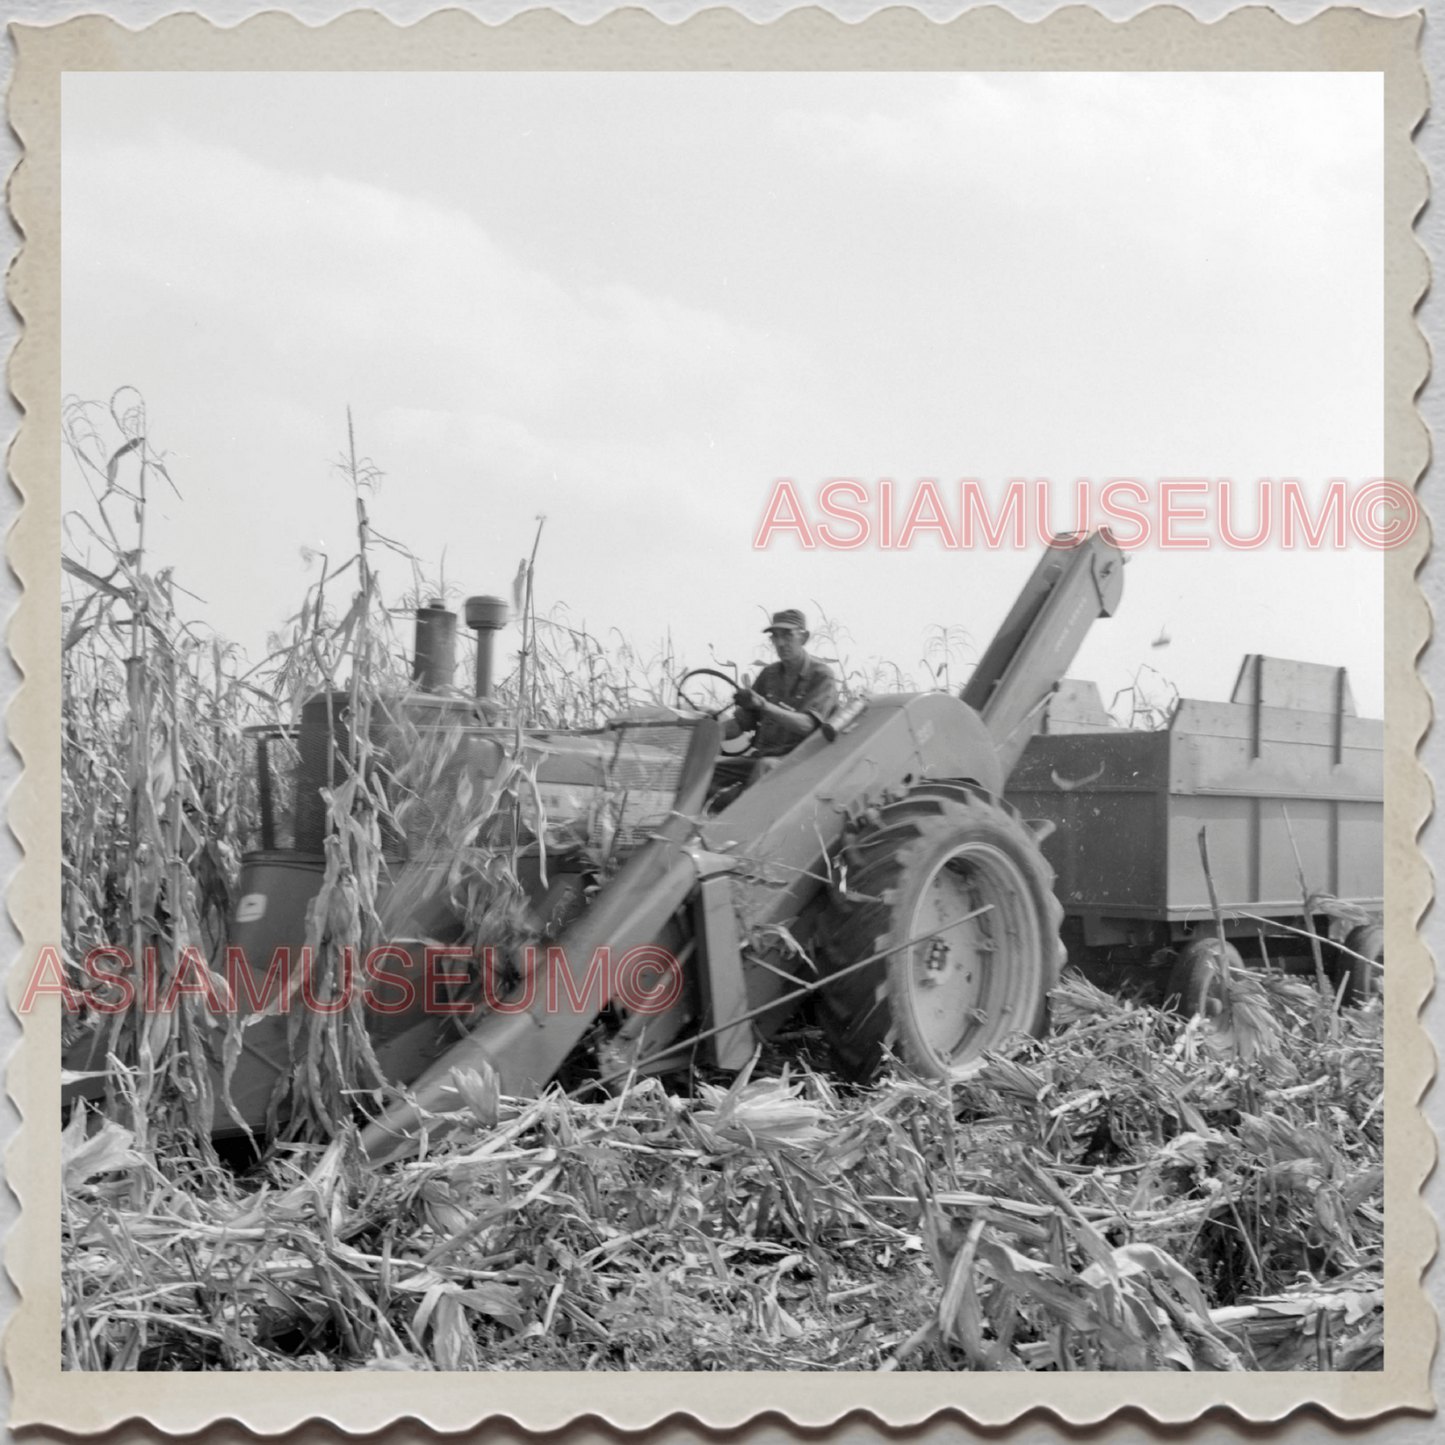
pixel 1112 1197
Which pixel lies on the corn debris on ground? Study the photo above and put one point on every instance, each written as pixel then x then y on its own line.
pixel 1134 1192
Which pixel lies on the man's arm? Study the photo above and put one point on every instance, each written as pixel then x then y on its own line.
pixel 816 706
pixel 822 697
pixel 791 723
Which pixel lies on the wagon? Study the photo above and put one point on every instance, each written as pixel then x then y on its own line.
pixel 1285 779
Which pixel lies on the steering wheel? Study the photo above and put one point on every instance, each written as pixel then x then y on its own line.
pixel 711 708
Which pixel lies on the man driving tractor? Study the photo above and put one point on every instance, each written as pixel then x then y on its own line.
pixel 791 698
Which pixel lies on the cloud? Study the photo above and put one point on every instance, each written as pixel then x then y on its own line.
pixel 1180 161
pixel 311 271
pixel 251 305
pixel 993 275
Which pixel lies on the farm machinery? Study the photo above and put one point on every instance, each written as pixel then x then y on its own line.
pixel 876 869
pixel 916 872
pixel 1286 783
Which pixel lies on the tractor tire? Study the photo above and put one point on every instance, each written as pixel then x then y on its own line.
pixel 1362 980
pixel 914 865
pixel 1193 986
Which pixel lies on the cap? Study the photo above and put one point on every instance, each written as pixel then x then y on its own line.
pixel 788 617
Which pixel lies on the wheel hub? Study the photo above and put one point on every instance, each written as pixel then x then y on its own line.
pixel 961 978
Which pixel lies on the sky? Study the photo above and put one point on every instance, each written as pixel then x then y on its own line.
pixel 633 302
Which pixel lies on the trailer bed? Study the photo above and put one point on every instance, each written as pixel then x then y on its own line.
pixel 1272 775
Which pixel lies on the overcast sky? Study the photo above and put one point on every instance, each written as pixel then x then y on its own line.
pixel 634 302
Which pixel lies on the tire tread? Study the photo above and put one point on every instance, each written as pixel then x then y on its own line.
pixel 855 1013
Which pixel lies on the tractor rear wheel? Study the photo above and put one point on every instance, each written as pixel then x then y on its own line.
pixel 960 873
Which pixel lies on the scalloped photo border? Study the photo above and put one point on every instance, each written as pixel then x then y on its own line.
pixel 1072 39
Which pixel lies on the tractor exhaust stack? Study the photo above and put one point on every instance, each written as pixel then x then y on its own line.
pixel 434 663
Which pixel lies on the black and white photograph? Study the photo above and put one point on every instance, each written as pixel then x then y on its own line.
pixel 724 721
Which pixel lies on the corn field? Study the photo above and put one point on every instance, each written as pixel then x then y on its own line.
pixel 1136 1191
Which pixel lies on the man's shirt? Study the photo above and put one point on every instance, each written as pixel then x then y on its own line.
pixel 813 691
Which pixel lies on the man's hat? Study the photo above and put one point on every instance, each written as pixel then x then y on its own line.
pixel 789 617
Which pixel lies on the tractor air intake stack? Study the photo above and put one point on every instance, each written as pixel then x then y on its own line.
pixel 485 615
pixel 435 661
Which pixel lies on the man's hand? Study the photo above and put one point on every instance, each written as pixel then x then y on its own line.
pixel 746 697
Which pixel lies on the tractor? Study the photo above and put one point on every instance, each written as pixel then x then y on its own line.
pixel 876 872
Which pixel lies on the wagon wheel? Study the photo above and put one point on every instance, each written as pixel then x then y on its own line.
pixel 922 865
pixel 714 703
pixel 1363 980
pixel 1193 986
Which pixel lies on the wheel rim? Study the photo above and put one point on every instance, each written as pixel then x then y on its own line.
pixel 978 980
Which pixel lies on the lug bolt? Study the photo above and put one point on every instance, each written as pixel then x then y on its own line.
pixel 936 961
